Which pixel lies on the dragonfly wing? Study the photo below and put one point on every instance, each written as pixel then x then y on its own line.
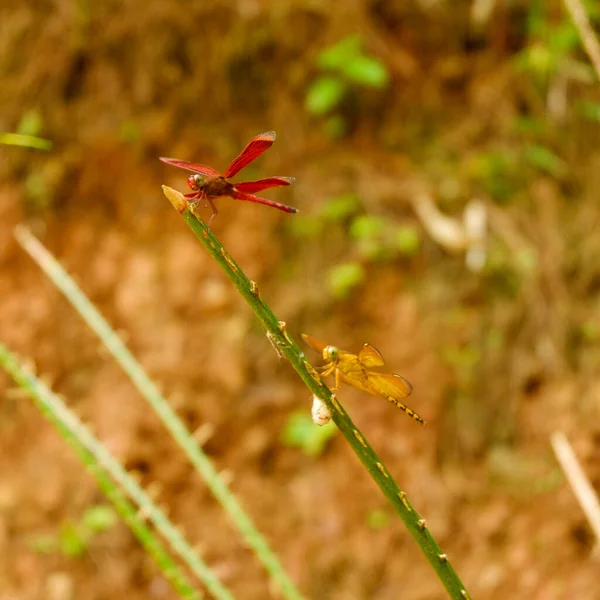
pixel 313 343
pixel 369 356
pixel 251 198
pixel 188 166
pixel 393 387
pixel 251 187
pixel 389 384
pixel 253 150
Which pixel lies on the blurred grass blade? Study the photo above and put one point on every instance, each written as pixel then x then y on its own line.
pixel 106 469
pixel 172 422
pixel 25 141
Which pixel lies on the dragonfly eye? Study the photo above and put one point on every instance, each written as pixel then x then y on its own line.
pixel 330 353
pixel 195 181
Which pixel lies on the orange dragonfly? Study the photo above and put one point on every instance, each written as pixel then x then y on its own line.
pixel 208 184
pixel 356 371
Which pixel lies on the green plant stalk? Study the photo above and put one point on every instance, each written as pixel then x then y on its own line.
pixel 172 422
pixel 103 467
pixel 286 346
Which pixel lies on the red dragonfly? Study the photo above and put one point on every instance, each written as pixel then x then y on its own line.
pixel 208 184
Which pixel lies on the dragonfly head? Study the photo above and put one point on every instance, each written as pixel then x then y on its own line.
pixel 330 353
pixel 196 181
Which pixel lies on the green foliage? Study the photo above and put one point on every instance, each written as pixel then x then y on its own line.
pixel 552 44
pixel 337 56
pixel 27 133
pixel 99 518
pixel 324 94
pixel 335 127
pixel 590 110
pixel 74 537
pixel 339 208
pixel 408 240
pixel 30 123
pixel 305 226
pixel 497 172
pixel 343 278
pixel 378 519
pixel 300 432
pixel 367 71
pixel 545 160
pixel 343 67
pixel 366 227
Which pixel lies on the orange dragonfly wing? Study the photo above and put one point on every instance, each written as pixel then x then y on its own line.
pixel 313 343
pixel 253 150
pixel 393 387
pixel 369 356
pixel 389 384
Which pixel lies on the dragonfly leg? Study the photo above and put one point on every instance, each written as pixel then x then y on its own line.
pixel 214 209
pixel 196 198
pixel 338 385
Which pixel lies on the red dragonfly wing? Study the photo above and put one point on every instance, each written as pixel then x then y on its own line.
pixel 251 198
pixel 253 150
pixel 188 166
pixel 314 344
pixel 369 356
pixel 251 187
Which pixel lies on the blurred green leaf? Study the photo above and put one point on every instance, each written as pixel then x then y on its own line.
pixel 590 331
pixel 30 123
pixel 545 160
pixel 536 58
pixel 305 226
pixel 461 356
pixel 374 249
pixel 301 432
pixel 497 171
pixel 44 544
pixel 367 227
pixel 528 125
pixel 378 519
pixel 37 189
pixel 337 56
pixel 563 38
pixel 25 141
pixel 407 240
pixel 367 71
pixel 129 131
pixel 324 94
pixel 340 207
pixel 73 541
pixel 343 278
pixel 335 127
pixel 590 110
pixel 99 518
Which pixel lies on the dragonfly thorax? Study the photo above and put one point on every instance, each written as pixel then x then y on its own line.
pixel 196 181
pixel 331 353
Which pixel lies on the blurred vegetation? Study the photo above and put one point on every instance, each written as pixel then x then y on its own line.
pixel 489 101
pixel 74 537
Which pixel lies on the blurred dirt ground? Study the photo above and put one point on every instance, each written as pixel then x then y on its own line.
pixel 499 359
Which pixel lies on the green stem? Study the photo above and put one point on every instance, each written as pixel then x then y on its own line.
pixel 172 422
pixel 104 467
pixel 285 345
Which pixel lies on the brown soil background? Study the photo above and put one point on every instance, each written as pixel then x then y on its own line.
pixel 119 84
